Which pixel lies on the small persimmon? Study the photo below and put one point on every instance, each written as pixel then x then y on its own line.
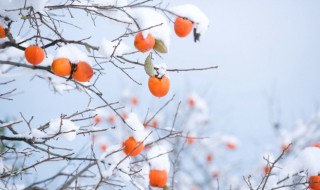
pixel 97 119
pixel 144 44
pixel 124 116
pixel 103 147
pixel 191 140
pixel 159 87
pixel 134 101
pixel 132 147
pixel 154 123
pixel 231 146
pixel 317 145
pixel 191 102
pixel 314 182
pixel 34 54
pixel 2 32
pixel 158 178
pixel 266 169
pixel 111 119
pixel 83 72
pixel 182 27
pixel 61 67
pixel 209 158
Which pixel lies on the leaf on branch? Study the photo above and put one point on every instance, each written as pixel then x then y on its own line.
pixel 148 65
pixel 160 47
pixel 88 49
pixel 24 17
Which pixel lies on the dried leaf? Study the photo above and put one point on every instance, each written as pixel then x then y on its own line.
pixel 148 66
pixel 160 47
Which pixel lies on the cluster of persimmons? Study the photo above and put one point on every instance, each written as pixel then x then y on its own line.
pixel 159 86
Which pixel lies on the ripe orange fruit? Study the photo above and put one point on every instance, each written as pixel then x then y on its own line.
pixel 103 147
pixel 190 140
pixel 191 102
pixel 154 123
pixel 61 67
pixel 124 116
pixel 111 119
pixel 158 178
pixel 83 72
pixel 34 54
pixel 97 120
pixel 159 87
pixel 317 145
pixel 132 147
pixel 314 182
pixel 209 158
pixel 182 27
pixel 134 101
pixel 231 146
pixel 144 44
pixel 2 32
pixel 266 169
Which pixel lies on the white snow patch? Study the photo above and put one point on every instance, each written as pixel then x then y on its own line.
pixel 73 53
pixel 65 126
pixel 158 158
pixel 134 122
pixel 107 48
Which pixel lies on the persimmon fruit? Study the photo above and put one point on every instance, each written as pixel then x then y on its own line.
pixel 144 44
pixel 83 72
pixel 231 146
pixel 132 147
pixel 191 102
pixel 103 147
pixel 134 101
pixel 158 178
pixel 34 54
pixel 314 182
pixel 2 32
pixel 159 87
pixel 182 27
pixel 61 67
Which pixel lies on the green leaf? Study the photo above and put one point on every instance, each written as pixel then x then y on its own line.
pixel 160 47
pixel 148 65
pixel 24 17
pixel 88 49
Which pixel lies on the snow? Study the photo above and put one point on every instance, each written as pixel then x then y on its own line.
pixel 158 158
pixel 134 122
pixel 111 158
pixel 38 5
pixel 107 48
pixel 38 134
pixel 149 18
pixel 161 69
pixel 66 126
pixel 193 13
pixel 73 53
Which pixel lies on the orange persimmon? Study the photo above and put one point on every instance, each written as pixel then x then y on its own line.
pixel 61 67
pixel 132 147
pixel 83 72
pixel 158 178
pixel 144 44
pixel 182 27
pixel 159 87
pixel 34 54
